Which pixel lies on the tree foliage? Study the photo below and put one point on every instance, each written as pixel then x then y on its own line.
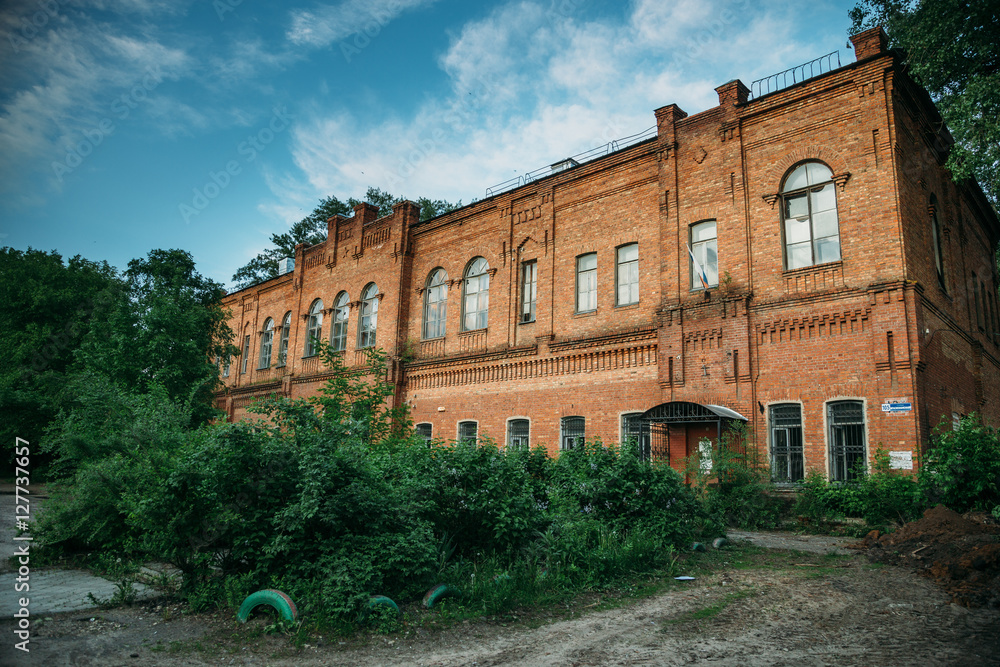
pixel 48 306
pixel 952 49
pixel 312 230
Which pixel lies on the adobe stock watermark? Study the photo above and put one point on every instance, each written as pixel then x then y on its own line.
pixel 223 7
pixel 121 107
pixel 372 27
pixel 31 26
pixel 249 149
pixel 699 40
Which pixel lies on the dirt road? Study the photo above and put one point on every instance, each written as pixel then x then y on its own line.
pixel 749 606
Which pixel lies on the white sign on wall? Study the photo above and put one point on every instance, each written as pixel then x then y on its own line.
pixel 901 460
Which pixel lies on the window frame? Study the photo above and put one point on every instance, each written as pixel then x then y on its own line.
pixel 629 264
pixel 440 288
pixel 529 297
pixel 246 351
pixel 368 321
pixel 785 195
pixel 643 438
pixel 481 313
pixel 590 274
pixel 266 343
pixel 845 472
pixel 511 435
pixel 695 247
pixel 314 328
pixel 286 329
pixel 428 437
pixel 580 434
pixel 936 241
pixel 792 450
pixel 338 324
pixel 474 440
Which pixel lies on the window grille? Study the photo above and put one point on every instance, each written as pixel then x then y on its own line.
pixel 468 432
pixel 634 430
pixel 517 433
pixel 425 432
pixel 846 421
pixel 573 432
pixel 786 443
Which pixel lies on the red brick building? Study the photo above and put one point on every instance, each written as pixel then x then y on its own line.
pixel 844 296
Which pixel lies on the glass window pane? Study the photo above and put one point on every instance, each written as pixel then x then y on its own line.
pixel 799 255
pixel 827 250
pixel 628 253
pixel 587 262
pixel 703 231
pixel 710 262
pixel 825 224
pixel 818 173
pixel 797 179
pixel 823 199
pixel 797 231
pixel 797 206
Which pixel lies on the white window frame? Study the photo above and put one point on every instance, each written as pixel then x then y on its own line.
pixel 701 249
pixel 586 284
pixel 368 316
pixel 266 343
pixel 435 305
pixel 629 271
pixel 794 192
pixel 314 328
pixel 339 320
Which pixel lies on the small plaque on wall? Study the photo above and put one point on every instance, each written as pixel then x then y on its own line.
pixel 901 460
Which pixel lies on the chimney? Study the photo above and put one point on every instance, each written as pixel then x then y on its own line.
pixel 366 213
pixel 869 43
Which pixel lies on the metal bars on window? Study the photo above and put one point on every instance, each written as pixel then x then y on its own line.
pixel 846 420
pixel 468 432
pixel 573 432
pixel 636 430
pixel 517 433
pixel 786 443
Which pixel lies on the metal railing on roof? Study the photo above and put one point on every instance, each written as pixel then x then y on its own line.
pixel 574 160
pixel 794 75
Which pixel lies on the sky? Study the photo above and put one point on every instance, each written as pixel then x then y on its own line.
pixel 132 125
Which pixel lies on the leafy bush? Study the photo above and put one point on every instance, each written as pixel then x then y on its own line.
pixel 734 481
pixel 962 467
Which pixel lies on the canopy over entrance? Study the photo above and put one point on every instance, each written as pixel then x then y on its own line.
pixel 673 431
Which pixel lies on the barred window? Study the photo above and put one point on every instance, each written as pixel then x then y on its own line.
pixel 573 432
pixel 435 304
pixel 468 432
pixel 517 433
pixel 634 430
pixel 846 421
pixel 787 463
pixel 425 432
pixel 314 328
pixel 266 339
pixel 341 314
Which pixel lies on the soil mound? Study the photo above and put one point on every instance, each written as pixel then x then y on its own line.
pixel 962 553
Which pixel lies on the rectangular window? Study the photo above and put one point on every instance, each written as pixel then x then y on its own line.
pixel 628 274
pixel 635 431
pixel 586 283
pixel 424 432
pixel 517 433
pixel 975 299
pixel 225 366
pixel 846 420
pixel 468 432
pixel 246 353
pixel 573 432
pixel 786 443
pixel 705 256
pixel 529 290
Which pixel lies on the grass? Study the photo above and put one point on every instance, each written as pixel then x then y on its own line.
pixel 712 610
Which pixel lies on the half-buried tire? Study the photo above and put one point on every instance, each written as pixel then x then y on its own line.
pixel 381 601
pixel 439 592
pixel 277 600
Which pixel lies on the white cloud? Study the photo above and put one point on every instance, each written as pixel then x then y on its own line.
pixel 530 86
pixel 326 24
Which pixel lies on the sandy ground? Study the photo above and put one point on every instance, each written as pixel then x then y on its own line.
pixel 748 606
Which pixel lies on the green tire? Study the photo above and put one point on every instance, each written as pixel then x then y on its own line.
pixel 439 592
pixel 383 601
pixel 277 600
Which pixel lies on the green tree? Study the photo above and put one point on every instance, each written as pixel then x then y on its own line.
pixel 167 329
pixel 47 309
pixel 952 49
pixel 312 230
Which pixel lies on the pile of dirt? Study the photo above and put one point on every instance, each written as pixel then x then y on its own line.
pixel 962 553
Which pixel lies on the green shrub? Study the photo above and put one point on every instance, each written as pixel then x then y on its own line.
pixel 962 467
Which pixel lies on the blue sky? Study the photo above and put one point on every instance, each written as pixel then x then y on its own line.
pixel 129 125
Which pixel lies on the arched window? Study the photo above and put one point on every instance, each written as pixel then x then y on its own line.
pixel 314 329
pixel 368 320
pixel 338 331
pixel 286 328
pixel 809 213
pixel 936 240
pixel 476 301
pixel 435 304
pixel 572 432
pixel 266 338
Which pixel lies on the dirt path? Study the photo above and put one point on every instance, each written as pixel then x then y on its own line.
pixel 746 607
